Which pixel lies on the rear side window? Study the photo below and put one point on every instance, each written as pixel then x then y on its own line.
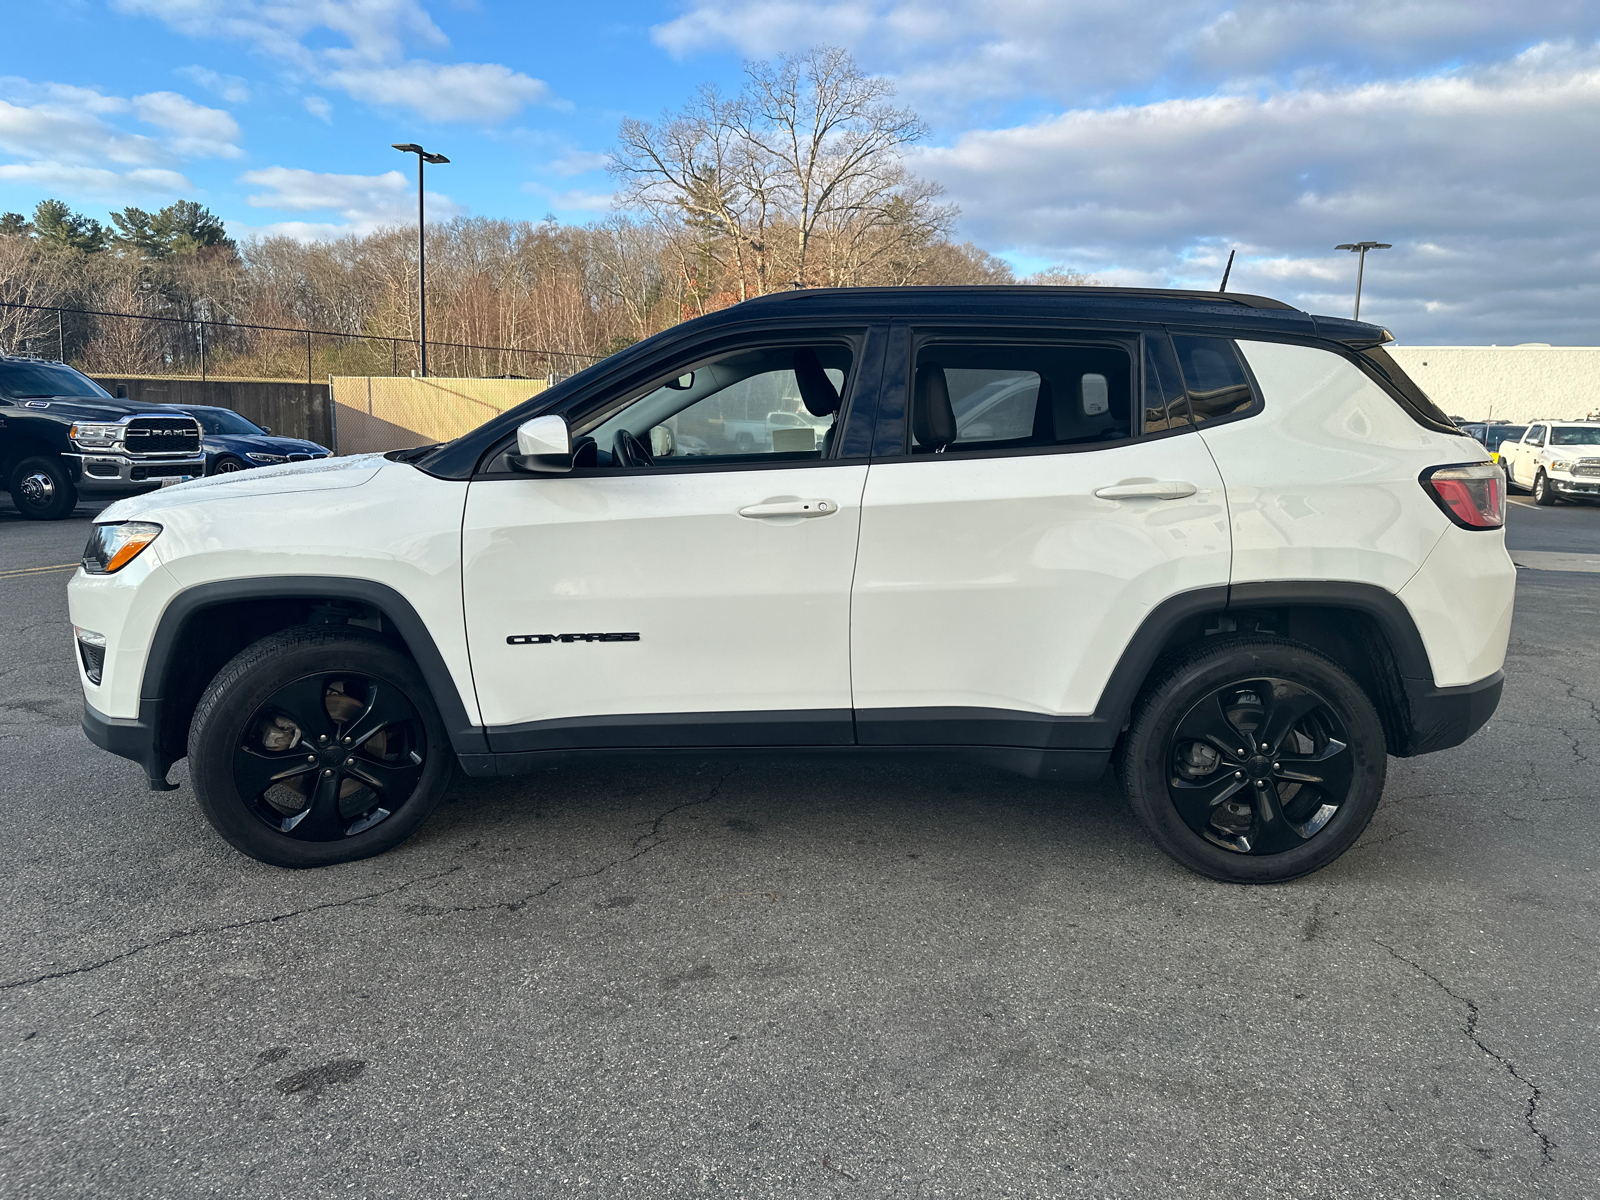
pixel 1214 376
pixel 1165 406
pixel 1006 397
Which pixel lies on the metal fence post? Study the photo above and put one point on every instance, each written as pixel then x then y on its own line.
pixel 202 351
pixel 308 359
pixel 61 339
pixel 394 357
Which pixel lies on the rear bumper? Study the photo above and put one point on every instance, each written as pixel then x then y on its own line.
pixel 1446 717
pixel 135 738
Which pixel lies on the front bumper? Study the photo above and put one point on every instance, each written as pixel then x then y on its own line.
pixel 1442 717
pixel 135 738
pixel 120 474
pixel 1567 485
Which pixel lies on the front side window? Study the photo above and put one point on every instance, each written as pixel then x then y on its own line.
pixel 1001 397
pixel 1216 380
pixel 1536 436
pixel 765 404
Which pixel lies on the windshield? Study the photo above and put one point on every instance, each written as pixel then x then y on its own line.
pixel 222 420
pixel 1575 435
pixel 25 380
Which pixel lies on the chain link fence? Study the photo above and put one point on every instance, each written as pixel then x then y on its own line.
pixel 139 345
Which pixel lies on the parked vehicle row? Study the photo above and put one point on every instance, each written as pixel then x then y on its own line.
pixel 62 435
pixel 1225 544
pixel 1554 460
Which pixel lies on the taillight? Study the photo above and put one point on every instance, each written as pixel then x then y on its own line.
pixel 1472 495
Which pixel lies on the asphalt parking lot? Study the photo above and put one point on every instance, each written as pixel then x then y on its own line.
pixel 685 977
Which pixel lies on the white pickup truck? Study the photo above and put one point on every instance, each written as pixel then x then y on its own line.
pixel 1555 459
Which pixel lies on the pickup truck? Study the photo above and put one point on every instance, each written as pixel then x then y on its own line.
pixel 1555 460
pixel 62 435
pixel 757 436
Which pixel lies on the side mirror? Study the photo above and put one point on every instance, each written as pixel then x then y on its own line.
pixel 122 391
pixel 544 446
pixel 266 429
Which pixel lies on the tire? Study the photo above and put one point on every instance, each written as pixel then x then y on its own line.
pixel 1543 493
pixel 227 464
pixel 1338 741
pixel 744 443
pixel 42 490
pixel 1511 484
pixel 258 721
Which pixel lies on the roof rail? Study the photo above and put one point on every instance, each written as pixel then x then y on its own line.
pixel 1243 299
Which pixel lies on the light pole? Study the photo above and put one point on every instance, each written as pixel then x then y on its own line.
pixel 422 237
pixel 1361 249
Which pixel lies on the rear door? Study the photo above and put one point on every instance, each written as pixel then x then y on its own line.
pixel 1003 572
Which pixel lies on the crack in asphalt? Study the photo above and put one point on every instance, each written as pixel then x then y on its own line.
pixel 182 934
pixel 1546 1146
pixel 639 851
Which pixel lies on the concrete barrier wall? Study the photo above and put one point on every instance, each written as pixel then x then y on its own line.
pixel 298 410
pixel 390 413
pixel 1514 383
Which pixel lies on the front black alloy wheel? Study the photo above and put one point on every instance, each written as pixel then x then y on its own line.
pixel 1255 760
pixel 318 745
pixel 227 464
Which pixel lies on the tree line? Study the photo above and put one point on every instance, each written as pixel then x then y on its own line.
pixel 798 180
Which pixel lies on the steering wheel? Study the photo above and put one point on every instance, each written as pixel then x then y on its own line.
pixel 629 451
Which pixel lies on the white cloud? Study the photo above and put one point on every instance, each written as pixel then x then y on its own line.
pixel 575 200
pixel 948 54
pixel 373 66
pixel 69 140
pixel 579 162
pixel 374 28
pixel 200 132
pixel 229 87
pixel 483 92
pixel 319 108
pixel 98 181
pixel 1482 180
pixel 365 202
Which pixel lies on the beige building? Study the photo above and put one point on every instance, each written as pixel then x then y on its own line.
pixel 1514 383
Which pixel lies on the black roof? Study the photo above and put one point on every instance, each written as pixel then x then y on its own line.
pixel 1228 313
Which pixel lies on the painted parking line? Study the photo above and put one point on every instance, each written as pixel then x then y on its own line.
pixel 1551 560
pixel 37 570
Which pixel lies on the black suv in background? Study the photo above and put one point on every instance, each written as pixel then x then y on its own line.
pixel 62 434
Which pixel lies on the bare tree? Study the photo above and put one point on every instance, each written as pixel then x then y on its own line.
pixel 833 139
pixel 31 274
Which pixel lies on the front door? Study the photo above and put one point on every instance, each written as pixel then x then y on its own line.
pixel 1048 494
pixel 688 583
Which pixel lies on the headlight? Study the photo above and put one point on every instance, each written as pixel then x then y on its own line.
pixel 268 458
pixel 112 547
pixel 1562 464
pixel 96 437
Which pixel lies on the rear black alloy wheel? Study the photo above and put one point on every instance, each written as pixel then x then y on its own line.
pixel 316 746
pixel 1255 761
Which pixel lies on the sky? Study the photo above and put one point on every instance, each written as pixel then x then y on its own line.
pixel 1139 141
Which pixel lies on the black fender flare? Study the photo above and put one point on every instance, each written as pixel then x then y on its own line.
pixel 465 736
pixel 1145 647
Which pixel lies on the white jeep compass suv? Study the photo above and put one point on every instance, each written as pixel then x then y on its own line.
pixel 1225 544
